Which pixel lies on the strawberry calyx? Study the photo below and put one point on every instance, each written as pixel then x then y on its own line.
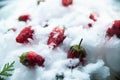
pixel 77 48
pixel 23 59
pixel 77 51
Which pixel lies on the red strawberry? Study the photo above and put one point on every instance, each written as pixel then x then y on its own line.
pixel 67 2
pixel 110 32
pixel 114 30
pixel 90 24
pixel 56 37
pixel 31 59
pixel 40 60
pixel 24 18
pixel 93 16
pixel 23 36
pixel 117 23
pixel 77 51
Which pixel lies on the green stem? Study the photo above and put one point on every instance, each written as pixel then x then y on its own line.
pixel 80 42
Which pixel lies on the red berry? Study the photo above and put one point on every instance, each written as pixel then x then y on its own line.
pixel 23 36
pixel 67 2
pixel 72 54
pixel 90 25
pixel 56 37
pixel 93 16
pixel 40 60
pixel 31 59
pixel 77 51
pixel 117 23
pixel 110 32
pixel 77 54
pixel 24 18
pixel 114 30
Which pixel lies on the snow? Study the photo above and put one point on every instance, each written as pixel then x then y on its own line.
pixel 100 50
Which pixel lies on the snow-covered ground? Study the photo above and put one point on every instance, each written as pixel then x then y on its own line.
pixel 102 53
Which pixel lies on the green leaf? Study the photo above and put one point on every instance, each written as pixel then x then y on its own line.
pixel 7 69
pixel 2 78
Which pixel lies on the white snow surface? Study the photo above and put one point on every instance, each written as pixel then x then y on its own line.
pixel 100 50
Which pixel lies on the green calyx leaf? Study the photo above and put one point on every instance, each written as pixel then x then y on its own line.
pixel 6 70
pixel 23 59
pixel 79 51
pixel 78 48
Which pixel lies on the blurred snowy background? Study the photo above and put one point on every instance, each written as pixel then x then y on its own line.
pixel 73 18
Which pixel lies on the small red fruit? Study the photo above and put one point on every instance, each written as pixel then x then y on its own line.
pixel 77 51
pixel 67 2
pixel 110 32
pixel 114 30
pixel 24 18
pixel 23 36
pixel 90 24
pixel 117 23
pixel 93 16
pixel 31 59
pixel 56 37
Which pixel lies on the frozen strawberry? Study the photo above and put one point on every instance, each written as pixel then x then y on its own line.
pixel 31 59
pixel 67 2
pixel 24 18
pixel 90 24
pixel 117 23
pixel 24 35
pixel 93 16
pixel 114 30
pixel 40 60
pixel 110 32
pixel 77 51
pixel 56 37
